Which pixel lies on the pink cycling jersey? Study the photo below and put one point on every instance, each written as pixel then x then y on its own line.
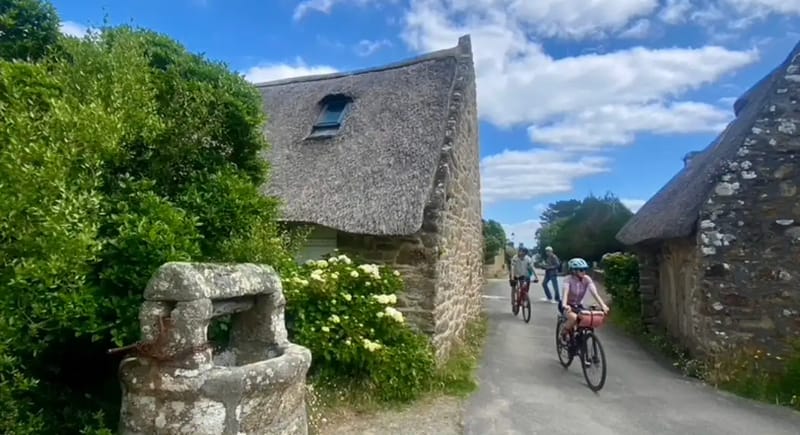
pixel 578 288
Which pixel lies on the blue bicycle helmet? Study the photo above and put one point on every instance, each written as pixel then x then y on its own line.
pixel 577 264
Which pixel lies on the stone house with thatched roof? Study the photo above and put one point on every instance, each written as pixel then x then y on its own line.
pixel 383 163
pixel 719 245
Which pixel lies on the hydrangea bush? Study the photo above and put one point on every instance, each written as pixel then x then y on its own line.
pixel 345 314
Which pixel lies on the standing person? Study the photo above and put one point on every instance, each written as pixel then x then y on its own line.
pixel 551 266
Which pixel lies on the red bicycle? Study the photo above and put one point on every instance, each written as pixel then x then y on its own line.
pixel 520 299
pixel 582 342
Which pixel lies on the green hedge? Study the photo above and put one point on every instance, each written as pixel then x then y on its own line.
pixel 621 279
pixel 118 153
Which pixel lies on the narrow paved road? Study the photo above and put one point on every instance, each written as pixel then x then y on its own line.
pixel 524 390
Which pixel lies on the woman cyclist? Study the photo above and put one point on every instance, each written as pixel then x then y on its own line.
pixel 577 284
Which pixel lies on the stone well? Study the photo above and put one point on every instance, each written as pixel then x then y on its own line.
pixel 175 385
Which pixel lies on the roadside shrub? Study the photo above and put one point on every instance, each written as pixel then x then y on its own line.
pixel 621 278
pixel 344 313
pixel 118 153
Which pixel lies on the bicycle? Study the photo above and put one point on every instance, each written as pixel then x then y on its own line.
pixel 520 299
pixel 578 345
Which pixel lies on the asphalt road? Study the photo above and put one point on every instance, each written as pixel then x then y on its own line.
pixel 524 390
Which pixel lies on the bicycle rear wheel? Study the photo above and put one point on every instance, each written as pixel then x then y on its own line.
pixel 562 349
pixel 526 308
pixel 593 361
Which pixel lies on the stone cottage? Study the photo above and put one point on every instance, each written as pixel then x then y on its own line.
pixel 384 164
pixel 719 245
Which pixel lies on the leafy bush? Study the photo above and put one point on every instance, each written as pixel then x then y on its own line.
pixel 117 153
pixel 494 239
pixel 621 278
pixel 343 312
pixel 28 29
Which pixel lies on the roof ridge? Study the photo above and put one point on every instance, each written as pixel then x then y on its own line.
pixel 455 51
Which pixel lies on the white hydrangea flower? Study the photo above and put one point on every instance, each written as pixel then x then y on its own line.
pixel 326 329
pixel 354 274
pixel 300 281
pixel 335 319
pixel 371 345
pixel 371 269
pixel 344 259
pixel 385 299
pixel 322 263
pixel 347 297
pixel 316 274
pixel 335 275
pixel 396 315
pixel 396 273
pixel 380 314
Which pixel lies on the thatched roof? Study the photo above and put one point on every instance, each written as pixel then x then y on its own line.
pixel 673 211
pixel 375 176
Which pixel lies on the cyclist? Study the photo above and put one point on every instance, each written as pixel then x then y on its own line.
pixel 577 284
pixel 522 267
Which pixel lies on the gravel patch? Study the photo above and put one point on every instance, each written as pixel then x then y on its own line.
pixel 431 416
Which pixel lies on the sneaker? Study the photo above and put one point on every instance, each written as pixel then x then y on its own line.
pixel 544 300
pixel 553 302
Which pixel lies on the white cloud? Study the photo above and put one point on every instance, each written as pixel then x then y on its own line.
pixel 520 84
pixel 367 47
pixel 524 175
pixel 278 71
pixel 675 11
pixel 71 28
pixel 638 30
pixel 633 204
pixel 326 6
pixel 764 7
pixel 618 124
pixel 524 232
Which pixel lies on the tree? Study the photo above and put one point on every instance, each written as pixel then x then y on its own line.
pixel 589 232
pixel 118 154
pixel 550 220
pixel 28 29
pixel 494 238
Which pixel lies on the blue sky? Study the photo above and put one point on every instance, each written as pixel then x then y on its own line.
pixel 574 96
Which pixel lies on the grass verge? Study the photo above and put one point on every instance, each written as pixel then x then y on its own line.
pixel 328 399
pixel 747 372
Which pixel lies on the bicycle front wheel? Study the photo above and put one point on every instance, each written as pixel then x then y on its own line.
pixel 526 308
pixel 593 361
pixel 514 301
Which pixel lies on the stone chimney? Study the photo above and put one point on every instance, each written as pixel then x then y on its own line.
pixel 688 157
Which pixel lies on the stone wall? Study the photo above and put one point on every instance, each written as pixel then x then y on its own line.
pixel 749 233
pixel 677 293
pixel 496 268
pixel 648 284
pixel 457 201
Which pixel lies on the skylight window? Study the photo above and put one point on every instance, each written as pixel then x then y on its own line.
pixel 331 117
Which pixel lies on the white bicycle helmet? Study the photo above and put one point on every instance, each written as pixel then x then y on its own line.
pixel 577 264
